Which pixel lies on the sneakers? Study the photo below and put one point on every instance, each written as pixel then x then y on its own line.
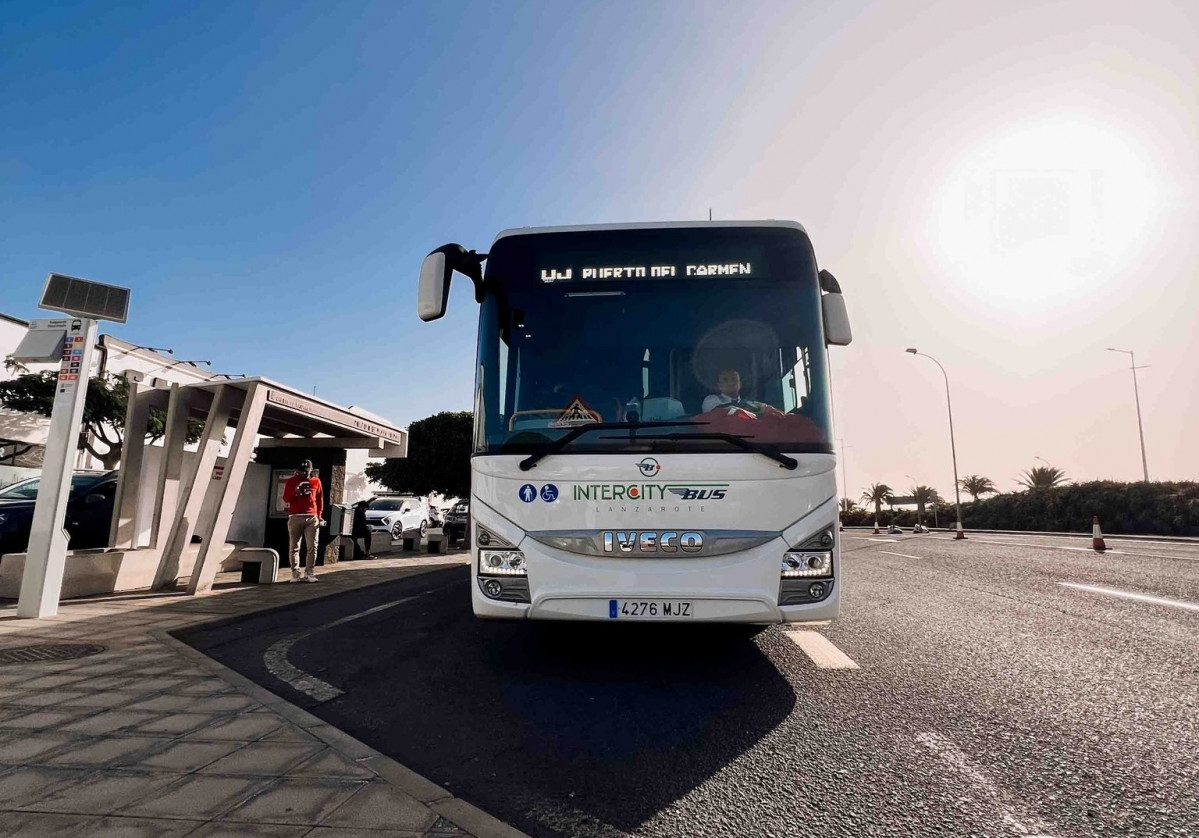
pixel 311 578
pixel 296 576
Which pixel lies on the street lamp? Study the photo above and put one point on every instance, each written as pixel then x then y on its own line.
pixel 1132 365
pixel 844 480
pixel 957 489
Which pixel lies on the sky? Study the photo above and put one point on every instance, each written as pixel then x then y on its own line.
pixel 1011 188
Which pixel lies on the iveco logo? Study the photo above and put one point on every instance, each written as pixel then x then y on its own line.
pixel 653 542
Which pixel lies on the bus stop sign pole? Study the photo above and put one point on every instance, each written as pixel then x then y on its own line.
pixel 46 555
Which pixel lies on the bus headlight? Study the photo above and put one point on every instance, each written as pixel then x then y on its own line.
pixel 798 564
pixel 502 563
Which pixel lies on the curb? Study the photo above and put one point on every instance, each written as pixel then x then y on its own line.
pixel 465 815
pixel 1181 539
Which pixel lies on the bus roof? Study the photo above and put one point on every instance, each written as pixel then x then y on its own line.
pixel 649 225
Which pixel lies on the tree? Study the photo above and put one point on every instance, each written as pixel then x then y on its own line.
pixel 924 495
pixel 878 494
pixel 848 506
pixel 438 458
pixel 976 485
pixel 103 411
pixel 1042 477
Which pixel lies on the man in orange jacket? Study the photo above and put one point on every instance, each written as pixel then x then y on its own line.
pixel 305 502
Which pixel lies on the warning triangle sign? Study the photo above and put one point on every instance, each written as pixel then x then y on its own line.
pixel 576 413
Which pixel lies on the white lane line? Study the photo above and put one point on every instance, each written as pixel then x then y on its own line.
pixel 1109 551
pixel 278 665
pixel 961 764
pixel 901 555
pixel 1045 546
pixel 1156 600
pixel 821 650
pixel 876 540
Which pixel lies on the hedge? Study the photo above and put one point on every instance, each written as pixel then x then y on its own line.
pixel 1130 508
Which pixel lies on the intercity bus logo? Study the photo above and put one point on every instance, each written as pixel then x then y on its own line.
pixel 650 491
pixel 649 467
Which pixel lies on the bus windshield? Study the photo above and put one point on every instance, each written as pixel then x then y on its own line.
pixel 717 328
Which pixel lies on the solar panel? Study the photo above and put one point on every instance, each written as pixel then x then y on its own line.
pixel 84 298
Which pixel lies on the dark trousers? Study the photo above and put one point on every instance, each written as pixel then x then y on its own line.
pixel 361 552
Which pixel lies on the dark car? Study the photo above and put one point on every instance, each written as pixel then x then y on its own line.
pixel 89 511
pixel 457 523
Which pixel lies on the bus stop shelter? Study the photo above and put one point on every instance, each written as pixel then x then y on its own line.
pixel 262 416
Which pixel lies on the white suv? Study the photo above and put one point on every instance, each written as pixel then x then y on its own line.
pixel 403 516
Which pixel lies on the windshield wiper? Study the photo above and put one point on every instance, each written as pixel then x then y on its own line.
pixel 574 433
pixel 739 441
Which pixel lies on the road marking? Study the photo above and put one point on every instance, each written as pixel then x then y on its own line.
pixel 952 756
pixel 901 555
pixel 1109 551
pixel 876 540
pixel 821 650
pixel 1174 603
pixel 278 665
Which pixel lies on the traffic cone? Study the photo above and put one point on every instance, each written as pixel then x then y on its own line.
pixel 876 532
pixel 1097 534
pixel 961 533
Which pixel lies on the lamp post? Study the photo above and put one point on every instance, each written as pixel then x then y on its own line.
pixel 844 481
pixel 1132 365
pixel 957 489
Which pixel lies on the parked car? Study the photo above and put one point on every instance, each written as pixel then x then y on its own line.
pixel 894 530
pixel 401 516
pixel 89 511
pixel 457 523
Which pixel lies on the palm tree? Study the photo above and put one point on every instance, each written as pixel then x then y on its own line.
pixel 1042 477
pixel 924 495
pixel 848 506
pixel 878 494
pixel 976 484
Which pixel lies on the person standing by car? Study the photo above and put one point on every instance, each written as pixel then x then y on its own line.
pixel 305 502
pixel 361 530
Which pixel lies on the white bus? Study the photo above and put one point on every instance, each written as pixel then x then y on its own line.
pixel 652 422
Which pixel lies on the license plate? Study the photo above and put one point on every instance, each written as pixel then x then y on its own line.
pixel 649 609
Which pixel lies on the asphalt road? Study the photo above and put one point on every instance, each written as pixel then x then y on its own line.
pixel 992 699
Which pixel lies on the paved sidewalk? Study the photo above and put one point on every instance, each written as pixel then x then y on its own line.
pixel 151 738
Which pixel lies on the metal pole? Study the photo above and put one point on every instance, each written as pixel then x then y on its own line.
pixel 46 555
pixel 1136 393
pixel 957 489
pixel 844 480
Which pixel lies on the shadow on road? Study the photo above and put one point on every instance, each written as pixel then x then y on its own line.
pixel 557 727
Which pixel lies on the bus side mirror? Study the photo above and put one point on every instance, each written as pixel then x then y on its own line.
pixel 836 318
pixel 434 292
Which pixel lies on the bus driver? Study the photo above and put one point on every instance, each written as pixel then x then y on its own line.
pixel 729 387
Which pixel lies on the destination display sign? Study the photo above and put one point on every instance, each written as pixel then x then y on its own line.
pixel 601 272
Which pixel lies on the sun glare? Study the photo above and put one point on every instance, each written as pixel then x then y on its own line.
pixel 1045 211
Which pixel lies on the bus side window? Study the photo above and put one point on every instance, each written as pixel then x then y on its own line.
pixel 797 383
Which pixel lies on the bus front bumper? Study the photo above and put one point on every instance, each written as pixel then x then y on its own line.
pixel 743 588
pixel 616 609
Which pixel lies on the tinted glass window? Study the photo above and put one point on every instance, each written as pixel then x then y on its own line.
pixel 27 490
pixel 718 329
